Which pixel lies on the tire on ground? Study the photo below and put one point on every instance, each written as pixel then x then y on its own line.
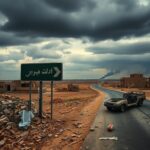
pixel 108 108
pixel 140 103
pixel 123 108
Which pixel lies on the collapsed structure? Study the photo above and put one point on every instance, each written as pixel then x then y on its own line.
pixel 17 85
pixel 135 81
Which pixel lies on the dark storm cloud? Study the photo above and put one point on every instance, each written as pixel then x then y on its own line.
pixel 56 45
pixel 138 64
pixel 42 54
pixel 128 49
pixel 71 5
pixel 37 53
pixel 50 46
pixel 97 19
pixel 8 39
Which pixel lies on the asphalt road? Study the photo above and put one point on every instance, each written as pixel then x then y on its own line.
pixel 131 127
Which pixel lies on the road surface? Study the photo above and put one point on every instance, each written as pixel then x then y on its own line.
pixel 132 127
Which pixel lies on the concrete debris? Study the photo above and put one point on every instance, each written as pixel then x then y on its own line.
pixel 11 136
pixel 56 136
pixel 24 134
pixel 78 125
pixel 50 135
pixel 2 142
pixel 109 138
pixel 70 139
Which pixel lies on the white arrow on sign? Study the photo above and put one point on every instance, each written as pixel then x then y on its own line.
pixel 57 72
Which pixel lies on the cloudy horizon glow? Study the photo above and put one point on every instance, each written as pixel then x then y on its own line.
pixel 87 38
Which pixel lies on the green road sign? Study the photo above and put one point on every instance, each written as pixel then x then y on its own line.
pixel 42 71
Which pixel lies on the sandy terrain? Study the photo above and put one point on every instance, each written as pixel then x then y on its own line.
pixel 75 110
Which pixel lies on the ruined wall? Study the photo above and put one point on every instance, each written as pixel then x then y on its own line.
pixel 134 81
pixel 22 86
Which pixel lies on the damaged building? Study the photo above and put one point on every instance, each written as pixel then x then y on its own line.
pixel 135 81
pixel 7 86
pixel 17 85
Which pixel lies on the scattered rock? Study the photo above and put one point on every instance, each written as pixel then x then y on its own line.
pixel 78 125
pixel 8 127
pixel 50 135
pixel 82 114
pixel 73 135
pixel 2 142
pixel 92 129
pixel 56 136
pixel 61 130
pixel 65 138
pixel 6 111
pixel 24 134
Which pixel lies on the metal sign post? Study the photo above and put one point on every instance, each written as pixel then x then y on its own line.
pixel 42 72
pixel 30 93
pixel 40 100
pixel 51 99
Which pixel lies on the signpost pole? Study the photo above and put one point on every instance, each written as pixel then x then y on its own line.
pixel 40 100
pixel 30 92
pixel 42 72
pixel 51 100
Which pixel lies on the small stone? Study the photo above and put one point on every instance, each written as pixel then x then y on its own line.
pixel 6 111
pixel 82 114
pixel 21 142
pixel 74 135
pixel 2 142
pixel 8 127
pixel 56 136
pixel 43 121
pixel 38 140
pixel 24 134
pixel 61 130
pixel 71 140
pixel 92 129
pixel 23 107
pixel 50 135
pixel 79 126
pixel 65 138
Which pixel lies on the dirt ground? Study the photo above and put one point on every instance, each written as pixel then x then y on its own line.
pixel 76 111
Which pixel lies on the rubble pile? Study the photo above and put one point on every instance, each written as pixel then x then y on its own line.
pixel 10 106
pixel 12 137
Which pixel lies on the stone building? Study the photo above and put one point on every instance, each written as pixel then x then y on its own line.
pixel 148 82
pixel 7 86
pixel 134 81
pixel 17 85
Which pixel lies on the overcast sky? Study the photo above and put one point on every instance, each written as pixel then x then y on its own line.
pixel 91 38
